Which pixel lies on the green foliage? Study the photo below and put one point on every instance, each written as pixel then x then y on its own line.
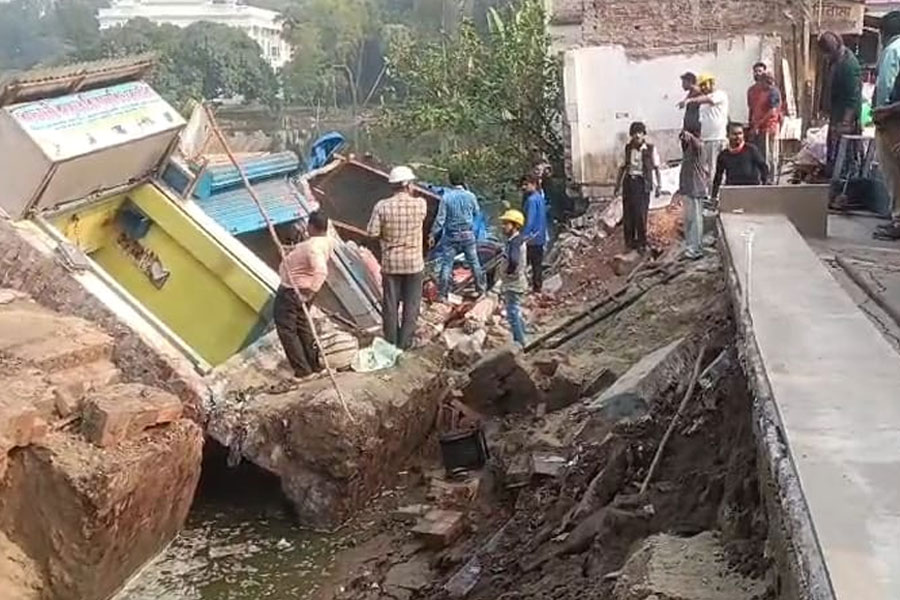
pixel 202 61
pixel 36 32
pixel 491 97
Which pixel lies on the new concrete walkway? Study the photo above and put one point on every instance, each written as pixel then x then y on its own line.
pixel 836 386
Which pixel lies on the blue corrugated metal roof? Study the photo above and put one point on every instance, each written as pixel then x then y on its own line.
pixel 226 176
pixel 237 213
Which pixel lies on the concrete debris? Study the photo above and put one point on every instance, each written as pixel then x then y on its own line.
pixel 620 407
pixel 125 410
pixel 339 348
pixel 457 494
pixel 440 528
pixel 547 465
pixel 8 296
pixel 612 215
pixel 553 284
pixel 625 263
pixel 646 377
pixel 482 311
pixel 465 348
pixel 406 577
pixel 411 512
pixel 518 473
pixel 500 383
pixel 671 567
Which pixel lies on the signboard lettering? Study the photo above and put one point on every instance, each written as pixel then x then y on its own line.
pixel 80 123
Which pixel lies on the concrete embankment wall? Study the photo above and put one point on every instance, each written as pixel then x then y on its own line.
pixel 826 416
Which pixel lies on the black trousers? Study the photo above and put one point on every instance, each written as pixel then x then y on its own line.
pixel 406 289
pixel 295 333
pixel 635 206
pixel 535 257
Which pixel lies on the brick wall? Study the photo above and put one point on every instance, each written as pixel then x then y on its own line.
pixel 670 24
pixel 24 268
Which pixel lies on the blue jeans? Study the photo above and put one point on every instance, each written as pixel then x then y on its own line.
pixel 452 247
pixel 514 316
pixel 693 226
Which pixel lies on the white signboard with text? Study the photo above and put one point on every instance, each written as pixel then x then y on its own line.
pixel 86 122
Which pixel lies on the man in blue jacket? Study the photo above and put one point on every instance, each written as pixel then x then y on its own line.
pixel 455 223
pixel 535 231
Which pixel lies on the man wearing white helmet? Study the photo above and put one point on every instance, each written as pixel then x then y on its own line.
pixel 398 222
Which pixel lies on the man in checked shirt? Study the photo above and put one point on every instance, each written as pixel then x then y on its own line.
pixel 398 222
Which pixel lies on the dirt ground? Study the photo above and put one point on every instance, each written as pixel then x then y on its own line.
pixel 588 532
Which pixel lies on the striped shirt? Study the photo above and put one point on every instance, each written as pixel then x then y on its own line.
pixel 398 222
pixel 306 266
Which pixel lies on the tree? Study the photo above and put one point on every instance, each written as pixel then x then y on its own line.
pixel 202 61
pixel 337 50
pixel 489 98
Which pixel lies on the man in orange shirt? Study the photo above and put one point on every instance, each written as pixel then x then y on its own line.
pixel 306 267
pixel 764 105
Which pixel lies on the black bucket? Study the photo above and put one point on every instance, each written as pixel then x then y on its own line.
pixel 463 450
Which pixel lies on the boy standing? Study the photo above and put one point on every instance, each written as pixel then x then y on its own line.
pixel 635 181
pixel 535 231
pixel 693 183
pixel 512 272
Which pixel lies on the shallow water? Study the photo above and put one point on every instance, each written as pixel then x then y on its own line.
pixel 240 543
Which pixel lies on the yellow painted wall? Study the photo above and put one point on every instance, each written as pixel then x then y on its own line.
pixel 209 300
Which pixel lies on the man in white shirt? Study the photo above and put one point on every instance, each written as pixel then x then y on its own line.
pixel 713 119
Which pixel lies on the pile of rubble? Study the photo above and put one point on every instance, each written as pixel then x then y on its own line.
pixel 78 444
pixel 568 504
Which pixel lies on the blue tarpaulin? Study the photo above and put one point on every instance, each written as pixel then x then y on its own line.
pixel 323 150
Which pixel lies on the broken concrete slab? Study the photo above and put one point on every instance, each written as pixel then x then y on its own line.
pixel 120 411
pixel 410 576
pixel 500 384
pixel 665 566
pixel 440 528
pixel 518 472
pixel 650 375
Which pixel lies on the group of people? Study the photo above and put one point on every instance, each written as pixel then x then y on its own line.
pixel 714 149
pixel 843 105
pixel 398 222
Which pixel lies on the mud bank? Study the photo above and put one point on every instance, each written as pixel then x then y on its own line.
pixel 330 461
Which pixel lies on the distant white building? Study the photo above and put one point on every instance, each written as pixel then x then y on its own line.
pixel 263 26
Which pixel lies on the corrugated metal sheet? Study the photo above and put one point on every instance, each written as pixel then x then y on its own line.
pixel 237 213
pixel 49 82
pixel 223 176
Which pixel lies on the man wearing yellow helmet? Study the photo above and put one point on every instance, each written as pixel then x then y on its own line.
pixel 713 119
pixel 514 281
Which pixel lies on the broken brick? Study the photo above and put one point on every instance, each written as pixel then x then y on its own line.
pixel 454 494
pixel 440 528
pixel 18 419
pixel 122 411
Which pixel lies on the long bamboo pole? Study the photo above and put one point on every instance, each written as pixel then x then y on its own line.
pixel 271 227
